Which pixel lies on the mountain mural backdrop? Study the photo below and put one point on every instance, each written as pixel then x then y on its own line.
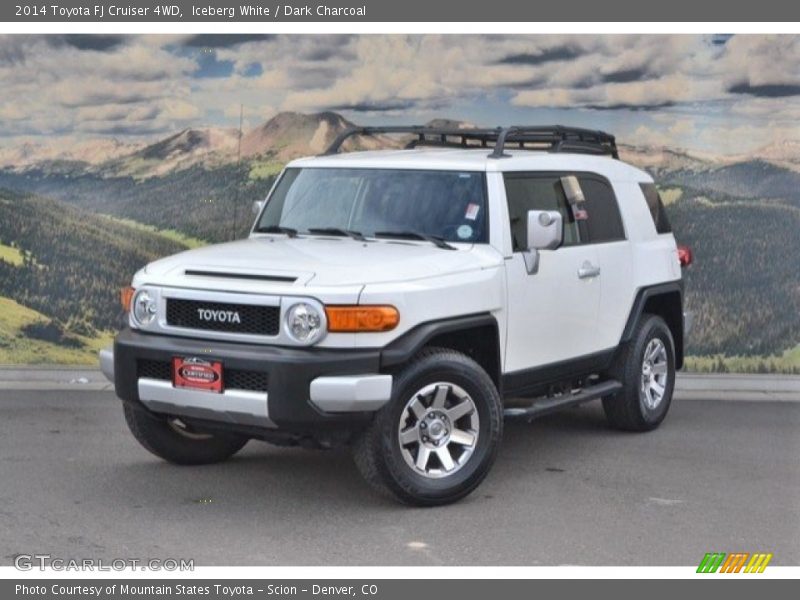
pixel 75 223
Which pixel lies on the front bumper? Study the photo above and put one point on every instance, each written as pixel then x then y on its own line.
pixel 304 390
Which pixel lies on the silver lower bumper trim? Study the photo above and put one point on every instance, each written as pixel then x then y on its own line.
pixel 232 406
pixel 352 393
pixel 106 356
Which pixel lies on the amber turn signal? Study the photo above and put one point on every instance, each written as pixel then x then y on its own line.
pixel 352 319
pixel 125 297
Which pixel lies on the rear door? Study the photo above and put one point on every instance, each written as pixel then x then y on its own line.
pixel 603 229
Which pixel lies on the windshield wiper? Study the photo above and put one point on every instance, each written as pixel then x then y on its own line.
pixel 288 231
pixel 415 235
pixel 356 235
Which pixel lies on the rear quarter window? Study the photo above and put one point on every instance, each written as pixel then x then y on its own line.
pixel 604 223
pixel 656 206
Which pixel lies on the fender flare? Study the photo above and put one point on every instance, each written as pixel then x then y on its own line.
pixel 407 345
pixel 645 294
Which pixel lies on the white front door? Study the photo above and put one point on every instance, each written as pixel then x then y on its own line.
pixel 552 313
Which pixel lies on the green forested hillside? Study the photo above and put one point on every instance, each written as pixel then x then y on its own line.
pixel 73 263
pixel 744 285
pixel 18 346
pixel 198 202
pixel 751 179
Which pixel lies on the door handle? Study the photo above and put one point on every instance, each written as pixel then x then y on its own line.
pixel 587 270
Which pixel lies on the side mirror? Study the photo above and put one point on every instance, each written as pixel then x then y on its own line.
pixel 544 229
pixel 257 206
pixel 544 233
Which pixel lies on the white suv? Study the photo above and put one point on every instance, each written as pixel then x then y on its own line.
pixel 404 301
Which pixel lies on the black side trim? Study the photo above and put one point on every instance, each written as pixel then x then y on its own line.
pixel 645 294
pixel 528 382
pixel 641 299
pixel 404 347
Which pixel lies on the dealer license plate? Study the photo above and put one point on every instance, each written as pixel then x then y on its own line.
pixel 197 373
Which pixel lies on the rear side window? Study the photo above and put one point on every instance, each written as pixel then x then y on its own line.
pixel 604 223
pixel 656 207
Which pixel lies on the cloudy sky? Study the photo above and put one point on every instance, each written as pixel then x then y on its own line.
pixel 716 93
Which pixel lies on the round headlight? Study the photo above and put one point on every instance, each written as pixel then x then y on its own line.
pixel 144 307
pixel 304 323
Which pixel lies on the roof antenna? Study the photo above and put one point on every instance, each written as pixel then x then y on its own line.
pixel 238 163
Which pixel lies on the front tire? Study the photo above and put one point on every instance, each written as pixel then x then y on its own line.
pixel 646 369
pixel 171 440
pixel 436 439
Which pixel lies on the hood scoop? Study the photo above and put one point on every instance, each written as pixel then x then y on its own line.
pixel 246 276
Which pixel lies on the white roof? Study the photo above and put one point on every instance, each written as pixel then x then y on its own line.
pixel 477 159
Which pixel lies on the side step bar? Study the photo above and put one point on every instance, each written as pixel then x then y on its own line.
pixel 544 406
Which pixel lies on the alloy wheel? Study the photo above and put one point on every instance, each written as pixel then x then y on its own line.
pixel 655 373
pixel 438 430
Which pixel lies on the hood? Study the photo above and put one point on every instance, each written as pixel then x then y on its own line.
pixel 267 261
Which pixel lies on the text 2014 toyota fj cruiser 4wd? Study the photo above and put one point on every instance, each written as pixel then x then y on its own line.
pixel 394 300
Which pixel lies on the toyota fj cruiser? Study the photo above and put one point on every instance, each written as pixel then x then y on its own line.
pixel 404 301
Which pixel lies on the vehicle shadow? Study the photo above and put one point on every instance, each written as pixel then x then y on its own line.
pixel 262 473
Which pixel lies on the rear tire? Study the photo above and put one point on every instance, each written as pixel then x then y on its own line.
pixel 436 439
pixel 646 369
pixel 172 441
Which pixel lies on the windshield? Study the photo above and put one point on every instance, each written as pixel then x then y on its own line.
pixel 450 205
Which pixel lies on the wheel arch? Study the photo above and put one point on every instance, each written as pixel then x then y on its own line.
pixel 666 301
pixel 477 336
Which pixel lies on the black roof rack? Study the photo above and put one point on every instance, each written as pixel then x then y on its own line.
pixel 556 138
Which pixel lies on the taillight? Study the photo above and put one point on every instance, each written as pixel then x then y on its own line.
pixel 685 256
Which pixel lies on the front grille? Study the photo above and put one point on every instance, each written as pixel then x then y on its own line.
pixel 154 369
pixel 234 379
pixel 255 381
pixel 250 318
